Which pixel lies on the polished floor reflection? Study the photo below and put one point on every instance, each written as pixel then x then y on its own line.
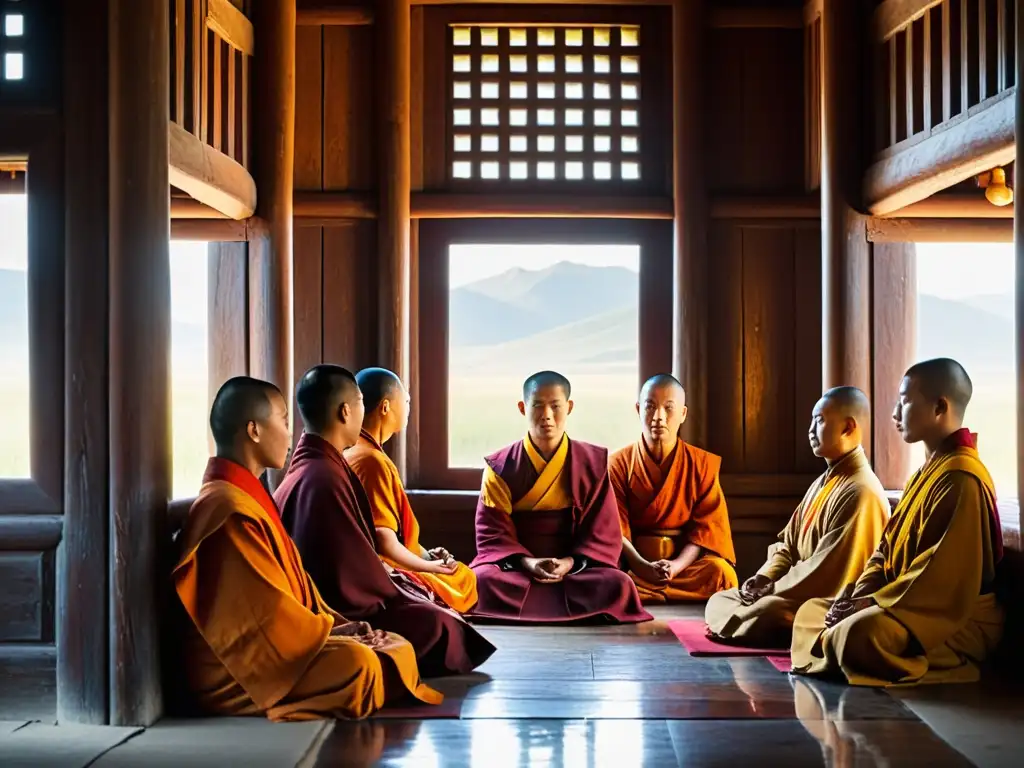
pixel 625 696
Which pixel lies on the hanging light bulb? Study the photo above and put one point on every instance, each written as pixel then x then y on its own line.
pixel 994 184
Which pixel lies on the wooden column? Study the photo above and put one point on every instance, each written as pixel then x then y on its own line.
pixel 392 23
pixel 1018 246
pixel 270 252
pixel 690 310
pixel 82 581
pixel 846 258
pixel 140 338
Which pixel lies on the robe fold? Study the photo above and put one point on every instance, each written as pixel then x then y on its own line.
pixel 391 509
pixel 564 507
pixel 663 507
pixel 259 640
pixel 325 510
pixel 824 547
pixel 934 615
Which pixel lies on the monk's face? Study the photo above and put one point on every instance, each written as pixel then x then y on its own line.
pixel 399 406
pixel 272 436
pixel 916 416
pixel 662 411
pixel 830 431
pixel 546 411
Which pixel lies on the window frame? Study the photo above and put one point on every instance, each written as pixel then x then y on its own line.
pixel 654 105
pixel 428 466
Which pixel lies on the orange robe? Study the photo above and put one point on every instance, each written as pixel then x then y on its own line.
pixel 259 640
pixel 664 507
pixel 392 510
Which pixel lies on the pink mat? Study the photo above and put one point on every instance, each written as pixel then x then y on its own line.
pixel 781 663
pixel 692 634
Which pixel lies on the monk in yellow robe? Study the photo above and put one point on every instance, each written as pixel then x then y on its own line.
pixel 398 532
pixel 924 610
pixel 826 543
pixel 260 640
pixel 676 539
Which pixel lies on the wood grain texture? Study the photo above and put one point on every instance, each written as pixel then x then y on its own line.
pixel 352 136
pixel 230 25
pixel 227 313
pixel 807 343
pixel 140 335
pixel 309 108
pixel 209 175
pixel 22 604
pixel 349 305
pixel 82 595
pixel 940 230
pixel 307 307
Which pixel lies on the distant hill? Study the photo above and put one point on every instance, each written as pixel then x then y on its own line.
pixel 976 337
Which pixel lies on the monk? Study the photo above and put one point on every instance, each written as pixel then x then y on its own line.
pixel 676 539
pixel 924 609
pixel 826 543
pixel 261 641
pixel 327 513
pixel 398 531
pixel 547 534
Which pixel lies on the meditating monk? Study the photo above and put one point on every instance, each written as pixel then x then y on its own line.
pixel 261 640
pixel 327 513
pixel 924 609
pixel 547 533
pixel 676 539
pixel 398 531
pixel 826 543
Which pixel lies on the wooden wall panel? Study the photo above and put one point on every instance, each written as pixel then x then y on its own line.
pixel 228 299
pixel 309 107
pixel 807 338
pixel 308 318
pixel 349 304
pixel 26 601
pixel 755 120
pixel 349 160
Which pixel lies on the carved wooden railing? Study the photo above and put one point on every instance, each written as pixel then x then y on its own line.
pixel 943 70
pixel 211 51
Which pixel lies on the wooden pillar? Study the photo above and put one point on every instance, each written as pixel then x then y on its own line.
pixel 140 338
pixel 690 309
pixel 82 590
pixel 846 258
pixel 270 252
pixel 392 23
pixel 1018 244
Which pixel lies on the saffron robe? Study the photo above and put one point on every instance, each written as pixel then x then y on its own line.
pixel 259 640
pixel 325 510
pixel 824 547
pixel 935 614
pixel 564 507
pixel 663 507
pixel 391 509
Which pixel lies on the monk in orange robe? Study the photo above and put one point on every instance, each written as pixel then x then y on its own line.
pixel 676 539
pixel 398 532
pixel 261 641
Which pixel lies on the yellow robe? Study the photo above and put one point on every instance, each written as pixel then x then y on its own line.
pixel 934 616
pixel 259 640
pixel 825 546
pixel 392 510
pixel 663 507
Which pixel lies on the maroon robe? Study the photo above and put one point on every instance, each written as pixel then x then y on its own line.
pixel 596 589
pixel 327 514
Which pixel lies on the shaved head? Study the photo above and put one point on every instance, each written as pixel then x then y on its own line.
pixel 543 379
pixel 659 380
pixel 941 378
pixel 321 392
pixel 239 401
pixel 850 402
pixel 377 384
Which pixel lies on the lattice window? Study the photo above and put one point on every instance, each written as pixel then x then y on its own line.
pixel 544 103
pixel 12 37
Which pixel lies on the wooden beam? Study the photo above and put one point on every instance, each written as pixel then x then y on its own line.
pixel 757 18
pixel 187 208
pixel 982 141
pixel 210 230
pixel 231 25
pixel 335 205
pixel 140 337
pixel 940 230
pixel 542 2
pixel 393 121
pixel 270 252
pixel 429 205
pixel 83 596
pixel 690 309
pixel 846 257
pixel 766 207
pixel 942 206
pixel 894 15
pixel 1018 241
pixel 209 176
pixel 328 14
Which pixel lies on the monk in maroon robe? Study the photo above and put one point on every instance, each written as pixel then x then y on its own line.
pixel 327 513
pixel 547 525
